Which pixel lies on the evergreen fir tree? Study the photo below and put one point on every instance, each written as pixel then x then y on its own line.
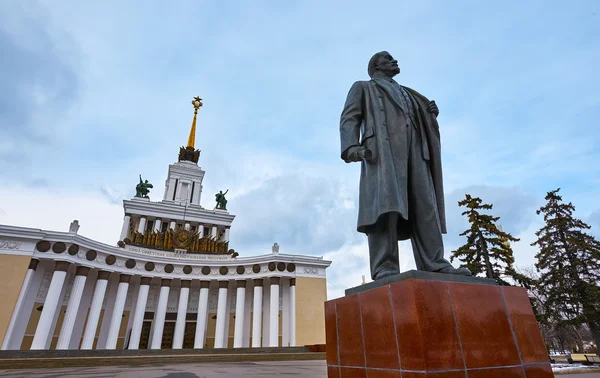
pixel 488 249
pixel 569 264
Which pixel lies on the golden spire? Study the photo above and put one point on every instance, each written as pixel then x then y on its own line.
pixel 197 103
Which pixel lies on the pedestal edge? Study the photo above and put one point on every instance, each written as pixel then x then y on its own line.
pixel 419 274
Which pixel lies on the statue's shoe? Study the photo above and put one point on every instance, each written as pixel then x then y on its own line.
pixel 453 270
pixel 385 273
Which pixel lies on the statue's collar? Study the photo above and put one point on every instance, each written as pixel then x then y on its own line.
pixel 385 79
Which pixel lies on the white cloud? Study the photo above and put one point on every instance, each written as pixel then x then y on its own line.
pixel 55 210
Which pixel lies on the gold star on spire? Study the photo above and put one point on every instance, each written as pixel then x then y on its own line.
pixel 197 103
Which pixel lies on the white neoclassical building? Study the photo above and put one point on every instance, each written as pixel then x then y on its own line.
pixel 171 282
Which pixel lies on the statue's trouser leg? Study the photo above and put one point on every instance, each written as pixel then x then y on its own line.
pixel 426 232
pixel 383 245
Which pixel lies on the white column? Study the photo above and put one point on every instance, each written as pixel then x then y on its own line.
pixel 70 277
pixel 68 323
pixel 26 308
pixel 274 313
pixel 230 299
pixel 196 193
pixel 266 327
pixel 44 326
pixel 226 235
pixel 247 314
pixel 284 289
pixel 181 314
pixel 157 224
pixel 84 307
pixel 257 313
pixel 20 304
pixel 109 306
pixel 132 297
pixel 142 225
pixel 172 225
pixel 187 225
pixel 117 313
pixel 201 321
pixel 170 190
pixel 95 308
pixel 125 229
pixel 140 310
pixel 292 312
pixel 240 300
pixel 161 311
pixel 200 230
pixel 220 331
pixel 214 231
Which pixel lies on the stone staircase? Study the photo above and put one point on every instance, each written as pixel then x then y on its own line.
pixel 31 359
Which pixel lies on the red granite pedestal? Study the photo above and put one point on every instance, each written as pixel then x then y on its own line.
pixel 434 328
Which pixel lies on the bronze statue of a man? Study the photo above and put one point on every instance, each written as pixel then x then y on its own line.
pixel 393 131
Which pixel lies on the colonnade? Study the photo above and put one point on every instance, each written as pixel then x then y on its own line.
pixel 141 227
pixel 263 315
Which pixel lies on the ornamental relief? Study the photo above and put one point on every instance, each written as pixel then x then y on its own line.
pixel 123 264
pixel 129 298
pixel 67 289
pixel 311 270
pixel 213 298
pixel 231 299
pixel 193 299
pixel 152 296
pixel 173 301
pixel 44 286
pixel 7 244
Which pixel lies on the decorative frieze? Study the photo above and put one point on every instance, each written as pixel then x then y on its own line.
pixel 7 244
pixel 308 270
pixel 187 256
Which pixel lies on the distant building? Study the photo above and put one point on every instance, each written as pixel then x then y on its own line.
pixel 172 282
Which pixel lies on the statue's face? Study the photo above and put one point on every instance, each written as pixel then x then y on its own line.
pixel 388 65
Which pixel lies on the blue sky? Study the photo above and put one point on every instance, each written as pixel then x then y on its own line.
pixel 95 93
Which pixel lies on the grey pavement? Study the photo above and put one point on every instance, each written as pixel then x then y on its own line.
pixel 298 369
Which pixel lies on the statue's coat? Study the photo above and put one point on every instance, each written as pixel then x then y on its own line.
pixel 373 118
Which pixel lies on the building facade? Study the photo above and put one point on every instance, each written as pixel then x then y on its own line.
pixel 172 281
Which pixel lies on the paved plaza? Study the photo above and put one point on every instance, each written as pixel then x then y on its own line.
pixel 297 369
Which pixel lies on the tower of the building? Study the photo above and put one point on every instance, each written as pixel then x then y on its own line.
pixel 184 181
pixel 153 225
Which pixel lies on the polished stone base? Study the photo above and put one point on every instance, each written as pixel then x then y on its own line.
pixel 418 328
pixel 419 274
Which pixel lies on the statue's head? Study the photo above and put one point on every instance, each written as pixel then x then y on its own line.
pixel 384 63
